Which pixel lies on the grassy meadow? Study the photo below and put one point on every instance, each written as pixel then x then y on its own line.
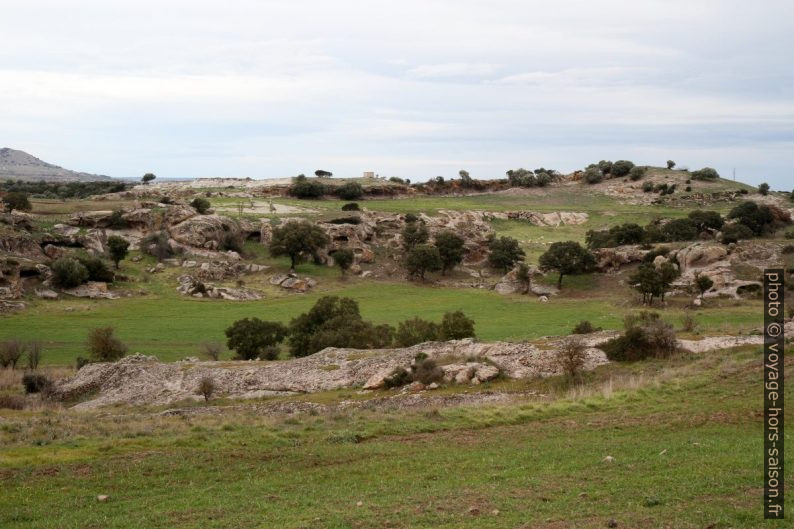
pixel 690 462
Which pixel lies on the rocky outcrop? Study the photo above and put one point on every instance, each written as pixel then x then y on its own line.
pixel 92 290
pixel 612 259
pixel 144 380
pixel 509 284
pixel 293 282
pixel 553 219
pixel 205 231
pixel 191 286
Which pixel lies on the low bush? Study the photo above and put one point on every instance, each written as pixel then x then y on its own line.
pixel 399 377
pixel 351 206
pixel 456 326
pixel 10 352
pixel 415 331
pixel 585 327
pixel 707 173
pixel 11 402
pixel 646 335
pixel 35 383
pixel 97 269
pixel 426 371
pixel 789 248
pixel 212 350
pixel 350 191
pixel 156 244
pixel 200 204
pixel 68 272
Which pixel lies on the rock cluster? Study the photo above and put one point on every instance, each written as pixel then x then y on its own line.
pixel 191 286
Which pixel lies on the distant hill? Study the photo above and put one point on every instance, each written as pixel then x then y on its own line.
pixel 19 165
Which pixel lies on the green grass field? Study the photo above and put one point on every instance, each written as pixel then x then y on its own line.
pixel 685 441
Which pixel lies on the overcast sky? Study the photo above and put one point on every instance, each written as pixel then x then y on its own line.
pixel 409 88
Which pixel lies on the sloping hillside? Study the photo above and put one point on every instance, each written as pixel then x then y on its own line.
pixel 19 165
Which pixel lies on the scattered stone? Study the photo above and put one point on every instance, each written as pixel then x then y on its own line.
pixel 102 498
pixel 608 459
pixel 46 293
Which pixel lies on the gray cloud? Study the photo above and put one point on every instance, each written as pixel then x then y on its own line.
pixel 416 88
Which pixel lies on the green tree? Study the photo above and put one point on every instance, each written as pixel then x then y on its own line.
pixel 415 331
pixel 504 253
pixel 148 177
pixel 200 204
pixel 703 283
pixel 621 168
pixel 465 178
pixel 334 322
pixel 297 240
pixel 680 230
pixel 343 259
pixel 423 258
pixel 17 200
pixel 117 247
pixel 450 248
pixel 320 173
pixel 732 233
pixel 455 326
pixel 567 258
pixel 706 220
pixel 103 346
pixel 414 233
pixel 251 337
pixel 670 164
pixel 757 218
pixel 763 189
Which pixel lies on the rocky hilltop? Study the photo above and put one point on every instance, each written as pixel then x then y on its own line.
pixel 19 165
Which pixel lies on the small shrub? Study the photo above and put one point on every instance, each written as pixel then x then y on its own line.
pixel 34 355
pixel 10 352
pixel 688 323
pixel 399 377
pixel 350 191
pixel 570 358
pixel 200 204
pixel 116 220
pixel 415 331
pixel 212 350
pixel 789 234
pixel 647 187
pixel 206 387
pixel 645 336
pixel 426 371
pixel 156 244
pixel 103 346
pixel 585 327
pixel 789 248
pixel 11 402
pixel 410 218
pixel 68 272
pixel 707 173
pixel 343 258
pixel 17 200
pixel 269 352
pixel 250 337
pixel 97 269
pixel 735 232
pixel 117 248
pixel 351 206
pixel 35 383
pixel 81 362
